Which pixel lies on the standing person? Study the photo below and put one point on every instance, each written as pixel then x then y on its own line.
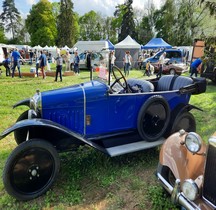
pixel 31 55
pixel 6 64
pixel 195 65
pixel 43 63
pixel 88 62
pixel 59 63
pixel 37 65
pixel 161 63
pixel 140 61
pixel 76 63
pixel 112 60
pixel 127 61
pixel 15 58
pixel 67 61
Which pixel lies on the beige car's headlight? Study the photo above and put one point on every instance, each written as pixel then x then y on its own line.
pixel 193 142
pixel 190 189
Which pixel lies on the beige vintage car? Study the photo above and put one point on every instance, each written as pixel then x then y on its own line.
pixel 187 170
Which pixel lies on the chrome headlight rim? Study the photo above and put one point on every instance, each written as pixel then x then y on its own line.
pixel 35 101
pixel 193 142
pixel 190 189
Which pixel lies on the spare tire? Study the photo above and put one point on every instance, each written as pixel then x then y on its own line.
pixel 153 118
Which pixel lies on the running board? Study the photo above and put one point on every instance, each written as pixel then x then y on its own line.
pixel 133 147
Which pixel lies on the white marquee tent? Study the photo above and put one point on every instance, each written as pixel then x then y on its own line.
pixel 128 44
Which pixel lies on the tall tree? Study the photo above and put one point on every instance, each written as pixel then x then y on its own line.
pixel 41 24
pixel 145 31
pixel 11 18
pixel 2 35
pixel 125 13
pixel 164 21
pixel 67 26
pixel 91 25
pixel 145 26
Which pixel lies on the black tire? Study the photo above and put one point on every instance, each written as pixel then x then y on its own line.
pixel 185 121
pixel 21 134
pixel 31 169
pixel 153 118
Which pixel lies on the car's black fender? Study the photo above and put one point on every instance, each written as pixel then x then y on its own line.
pixel 180 112
pixel 25 102
pixel 61 137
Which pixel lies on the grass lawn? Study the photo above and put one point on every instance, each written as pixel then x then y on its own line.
pixel 89 179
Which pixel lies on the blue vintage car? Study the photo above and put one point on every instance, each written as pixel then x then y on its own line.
pixel 126 116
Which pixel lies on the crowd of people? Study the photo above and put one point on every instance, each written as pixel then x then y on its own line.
pixel 41 59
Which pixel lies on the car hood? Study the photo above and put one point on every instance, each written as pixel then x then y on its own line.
pixel 66 96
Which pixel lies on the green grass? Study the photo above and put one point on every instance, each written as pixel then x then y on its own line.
pixel 89 179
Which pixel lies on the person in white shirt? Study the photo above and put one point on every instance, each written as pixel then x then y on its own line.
pixel 127 62
pixel 112 59
pixel 161 63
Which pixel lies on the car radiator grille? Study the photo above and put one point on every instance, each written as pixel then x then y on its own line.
pixel 209 188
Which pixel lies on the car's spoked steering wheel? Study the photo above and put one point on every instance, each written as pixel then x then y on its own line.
pixel 120 79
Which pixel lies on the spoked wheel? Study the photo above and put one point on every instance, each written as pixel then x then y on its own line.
pixel 31 169
pixel 185 121
pixel 153 118
pixel 21 134
pixel 120 79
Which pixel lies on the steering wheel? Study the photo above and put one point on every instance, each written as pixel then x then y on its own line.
pixel 120 79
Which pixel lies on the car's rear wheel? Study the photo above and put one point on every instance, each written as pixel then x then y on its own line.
pixel 184 121
pixel 172 71
pixel 31 169
pixel 153 118
pixel 21 134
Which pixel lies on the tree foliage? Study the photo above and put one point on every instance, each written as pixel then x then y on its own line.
pixel 180 21
pixel 91 26
pixel 211 5
pixel 124 13
pixel 2 35
pixel 67 26
pixel 41 24
pixel 11 18
pixel 164 21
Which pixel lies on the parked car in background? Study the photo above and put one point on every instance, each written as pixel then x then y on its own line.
pixel 118 118
pixel 171 67
pixel 96 60
pixel 187 170
pixel 175 56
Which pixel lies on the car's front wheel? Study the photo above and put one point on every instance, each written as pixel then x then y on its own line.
pixel 31 169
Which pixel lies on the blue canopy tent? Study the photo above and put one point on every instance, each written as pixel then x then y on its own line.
pixel 110 45
pixel 155 43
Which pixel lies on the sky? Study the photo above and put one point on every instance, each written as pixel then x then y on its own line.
pixel 105 7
